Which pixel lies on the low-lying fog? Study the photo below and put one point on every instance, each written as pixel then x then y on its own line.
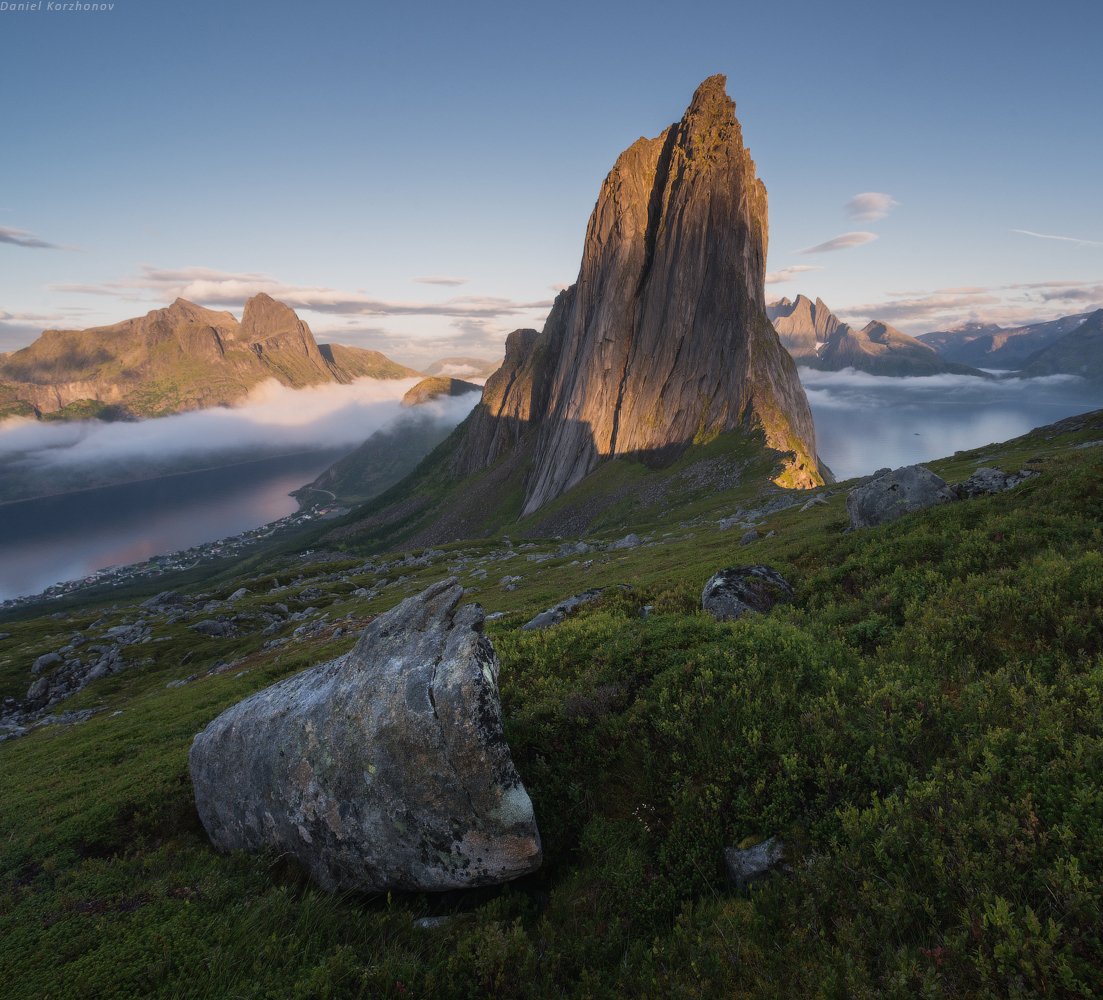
pixel 241 463
pixel 865 422
pixel 273 419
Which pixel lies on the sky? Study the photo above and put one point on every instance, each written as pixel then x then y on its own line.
pixel 416 178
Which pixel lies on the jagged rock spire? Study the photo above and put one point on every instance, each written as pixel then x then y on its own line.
pixel 663 340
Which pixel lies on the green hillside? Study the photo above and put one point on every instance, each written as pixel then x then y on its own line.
pixel 923 726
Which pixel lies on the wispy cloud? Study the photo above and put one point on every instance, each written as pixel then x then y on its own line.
pixel 222 288
pixel 1003 305
pixel 1063 239
pixel 22 238
pixel 441 279
pixel 843 242
pixel 789 273
pixel 870 206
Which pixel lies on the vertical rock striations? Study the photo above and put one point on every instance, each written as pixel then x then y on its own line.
pixel 663 340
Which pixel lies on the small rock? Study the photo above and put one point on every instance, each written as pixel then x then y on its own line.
pixel 44 662
pixel 238 594
pixel 309 594
pixel 627 542
pixel 986 480
pixel 741 590
pixel 745 867
pixel 750 536
pixel 560 612
pixel 165 599
pixel 215 629
pixel 432 923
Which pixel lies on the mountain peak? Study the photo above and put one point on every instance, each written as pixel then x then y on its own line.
pixel 663 340
pixel 710 100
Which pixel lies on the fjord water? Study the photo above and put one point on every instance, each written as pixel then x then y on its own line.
pixel 863 422
pixel 67 537
pixel 866 422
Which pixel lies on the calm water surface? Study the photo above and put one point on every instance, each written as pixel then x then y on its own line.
pixel 865 422
pixel 49 540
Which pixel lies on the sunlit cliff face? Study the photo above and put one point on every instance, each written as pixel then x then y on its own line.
pixel 663 340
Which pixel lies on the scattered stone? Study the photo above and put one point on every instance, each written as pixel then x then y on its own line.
pixel 432 923
pixel 986 480
pixel 573 549
pixel 495 615
pixel 216 629
pixel 627 542
pixel 386 768
pixel 895 494
pixel 44 662
pixel 750 536
pixel 561 611
pixel 745 867
pixel 819 498
pixel 741 590
pixel 309 594
pixel 165 599
pixel 510 582
pixel 238 594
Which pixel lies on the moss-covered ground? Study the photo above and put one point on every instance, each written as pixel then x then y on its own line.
pixel 923 726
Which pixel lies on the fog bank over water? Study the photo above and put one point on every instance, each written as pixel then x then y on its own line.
pixel 195 477
pixel 273 417
pixel 865 422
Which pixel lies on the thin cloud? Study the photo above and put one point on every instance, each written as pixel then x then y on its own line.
pixel 870 206
pixel 843 242
pixel 1063 239
pixel 434 279
pixel 22 238
pixel 222 288
pixel 1009 306
pixel 789 273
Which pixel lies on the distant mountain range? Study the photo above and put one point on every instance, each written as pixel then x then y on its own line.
pixel 988 346
pixel 180 358
pixel 817 338
pixel 1078 352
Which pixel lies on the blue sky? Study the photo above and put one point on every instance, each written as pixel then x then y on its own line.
pixel 339 154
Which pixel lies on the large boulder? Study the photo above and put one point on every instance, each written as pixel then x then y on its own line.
pixel 383 769
pixel 895 494
pixel 742 590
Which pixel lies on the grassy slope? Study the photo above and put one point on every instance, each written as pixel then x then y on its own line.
pixel 924 724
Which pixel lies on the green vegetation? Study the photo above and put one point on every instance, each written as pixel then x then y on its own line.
pixel 923 726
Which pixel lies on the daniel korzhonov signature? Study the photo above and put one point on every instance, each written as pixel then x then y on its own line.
pixel 52 6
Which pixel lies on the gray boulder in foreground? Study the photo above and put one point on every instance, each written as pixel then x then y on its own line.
pixel 383 769
pixel 742 590
pixel 895 494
